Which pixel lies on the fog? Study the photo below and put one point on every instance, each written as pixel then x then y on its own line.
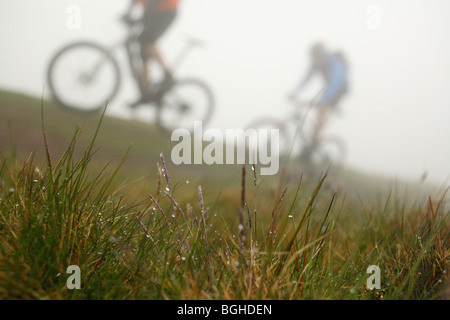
pixel 394 120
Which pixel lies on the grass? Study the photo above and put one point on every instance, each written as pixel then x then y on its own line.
pixel 165 238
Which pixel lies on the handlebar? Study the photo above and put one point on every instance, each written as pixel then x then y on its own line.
pixel 129 21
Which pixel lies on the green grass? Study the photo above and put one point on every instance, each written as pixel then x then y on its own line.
pixel 227 234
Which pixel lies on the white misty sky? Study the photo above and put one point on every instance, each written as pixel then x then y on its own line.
pixel 395 121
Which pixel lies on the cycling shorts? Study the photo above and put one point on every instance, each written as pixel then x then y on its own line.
pixel 155 25
pixel 333 95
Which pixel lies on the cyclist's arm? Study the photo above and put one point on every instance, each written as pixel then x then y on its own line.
pixel 131 13
pixel 306 79
pixel 133 3
pixel 141 3
pixel 294 94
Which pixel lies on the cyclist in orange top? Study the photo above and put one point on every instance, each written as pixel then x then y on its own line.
pixel 157 18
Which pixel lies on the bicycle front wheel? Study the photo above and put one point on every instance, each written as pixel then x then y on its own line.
pixel 284 143
pixel 330 150
pixel 83 77
pixel 187 101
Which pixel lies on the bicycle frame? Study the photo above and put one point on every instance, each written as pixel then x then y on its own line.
pixel 296 120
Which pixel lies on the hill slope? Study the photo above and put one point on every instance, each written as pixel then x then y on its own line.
pixel 21 123
pixel 21 132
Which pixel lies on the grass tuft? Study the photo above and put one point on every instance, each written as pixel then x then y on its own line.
pixel 295 244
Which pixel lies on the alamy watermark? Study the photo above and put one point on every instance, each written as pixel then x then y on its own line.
pixel 234 146
pixel 373 17
pixel 74 17
pixel 374 281
pixel 74 281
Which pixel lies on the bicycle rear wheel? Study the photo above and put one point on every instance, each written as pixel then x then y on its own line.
pixel 83 77
pixel 187 101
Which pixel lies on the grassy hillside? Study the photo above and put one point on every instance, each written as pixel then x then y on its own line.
pixel 21 134
pixel 156 231
pixel 21 120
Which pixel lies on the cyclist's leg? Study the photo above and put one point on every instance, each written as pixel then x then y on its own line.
pixel 323 111
pixel 152 51
pixel 144 79
pixel 327 103
pixel 156 26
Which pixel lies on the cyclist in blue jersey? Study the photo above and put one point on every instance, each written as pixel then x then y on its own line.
pixel 334 71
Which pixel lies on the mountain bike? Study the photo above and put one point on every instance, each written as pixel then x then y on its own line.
pixel 83 76
pixel 295 140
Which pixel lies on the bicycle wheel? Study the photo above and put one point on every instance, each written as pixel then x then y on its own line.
pixel 83 77
pixel 187 101
pixel 330 150
pixel 284 142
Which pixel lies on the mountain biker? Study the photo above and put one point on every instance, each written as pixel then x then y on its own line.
pixel 334 70
pixel 158 16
